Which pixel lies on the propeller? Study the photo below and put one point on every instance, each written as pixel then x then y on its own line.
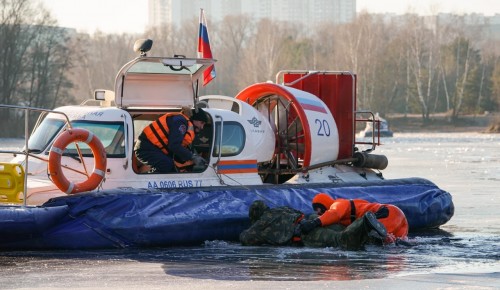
pixel 289 131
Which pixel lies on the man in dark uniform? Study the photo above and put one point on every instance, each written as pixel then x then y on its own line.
pixel 170 136
pixel 281 226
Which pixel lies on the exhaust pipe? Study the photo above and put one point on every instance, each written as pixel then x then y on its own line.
pixel 370 160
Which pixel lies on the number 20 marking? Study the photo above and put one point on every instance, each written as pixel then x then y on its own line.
pixel 324 127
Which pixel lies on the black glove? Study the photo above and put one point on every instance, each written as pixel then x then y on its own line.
pixel 198 160
pixel 308 225
pixel 383 212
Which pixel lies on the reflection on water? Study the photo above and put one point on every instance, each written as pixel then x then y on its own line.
pixel 234 262
pixel 466 165
pixel 433 252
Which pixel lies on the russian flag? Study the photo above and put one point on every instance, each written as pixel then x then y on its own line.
pixel 204 50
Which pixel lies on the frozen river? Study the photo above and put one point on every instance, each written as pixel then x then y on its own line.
pixel 464 253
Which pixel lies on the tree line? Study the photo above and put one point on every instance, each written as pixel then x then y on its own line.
pixel 403 65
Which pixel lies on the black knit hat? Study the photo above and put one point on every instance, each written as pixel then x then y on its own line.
pixel 200 115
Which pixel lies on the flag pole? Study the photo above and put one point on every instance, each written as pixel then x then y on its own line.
pixel 204 50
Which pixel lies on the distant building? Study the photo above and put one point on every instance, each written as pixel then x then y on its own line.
pixel 489 26
pixel 308 12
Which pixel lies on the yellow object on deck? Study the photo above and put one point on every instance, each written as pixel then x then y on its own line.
pixel 11 183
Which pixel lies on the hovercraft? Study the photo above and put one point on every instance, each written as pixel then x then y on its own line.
pixel 77 184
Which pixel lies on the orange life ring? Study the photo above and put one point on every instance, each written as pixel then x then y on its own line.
pixel 55 170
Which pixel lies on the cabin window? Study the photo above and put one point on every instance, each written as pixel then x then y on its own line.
pixel 233 139
pixel 111 134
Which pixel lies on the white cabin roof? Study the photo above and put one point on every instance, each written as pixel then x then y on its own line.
pixel 159 82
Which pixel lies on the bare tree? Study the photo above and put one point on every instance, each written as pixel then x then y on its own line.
pixel 359 47
pixel 33 58
pixel 17 36
pixel 100 57
pixel 46 81
pixel 230 42
pixel 265 54
pixel 409 64
pixel 423 42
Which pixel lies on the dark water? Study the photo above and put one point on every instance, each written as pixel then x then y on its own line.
pixel 466 165
pixel 434 252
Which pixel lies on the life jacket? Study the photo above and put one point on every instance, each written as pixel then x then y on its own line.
pixel 345 211
pixel 342 211
pixel 157 132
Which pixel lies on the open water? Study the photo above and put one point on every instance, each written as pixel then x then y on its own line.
pixel 464 253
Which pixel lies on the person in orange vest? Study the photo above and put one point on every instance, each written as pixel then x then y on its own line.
pixel 163 145
pixel 345 211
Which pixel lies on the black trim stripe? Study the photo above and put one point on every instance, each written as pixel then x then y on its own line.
pixel 158 136
pixel 163 129
pixel 353 211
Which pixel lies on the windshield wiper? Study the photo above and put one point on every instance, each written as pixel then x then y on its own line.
pixel 72 157
pixel 35 151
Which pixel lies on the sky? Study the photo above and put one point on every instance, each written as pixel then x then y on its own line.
pixel 130 16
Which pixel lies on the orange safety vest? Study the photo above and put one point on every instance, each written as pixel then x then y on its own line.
pixel 340 212
pixel 157 132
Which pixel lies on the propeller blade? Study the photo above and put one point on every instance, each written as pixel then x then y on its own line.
pixel 291 160
pixel 300 147
pixel 294 127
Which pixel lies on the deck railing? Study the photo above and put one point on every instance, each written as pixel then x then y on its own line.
pixel 25 151
pixel 375 124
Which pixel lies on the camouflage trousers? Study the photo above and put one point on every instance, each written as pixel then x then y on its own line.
pixel 352 237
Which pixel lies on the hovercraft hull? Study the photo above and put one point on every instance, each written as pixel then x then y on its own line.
pixel 145 218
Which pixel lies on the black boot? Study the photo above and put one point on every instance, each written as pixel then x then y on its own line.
pixel 357 234
pixel 375 228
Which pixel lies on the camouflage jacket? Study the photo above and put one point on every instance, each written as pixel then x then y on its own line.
pixel 275 227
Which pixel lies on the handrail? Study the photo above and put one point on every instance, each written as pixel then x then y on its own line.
pixel 307 74
pixel 26 152
pixel 373 121
pixel 220 139
pixel 308 168
pixel 311 73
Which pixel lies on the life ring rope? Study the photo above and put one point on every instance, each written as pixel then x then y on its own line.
pixel 55 168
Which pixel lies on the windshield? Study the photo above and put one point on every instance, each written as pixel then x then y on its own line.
pixel 111 134
pixel 44 134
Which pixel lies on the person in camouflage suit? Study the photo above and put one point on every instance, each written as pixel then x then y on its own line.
pixel 280 226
